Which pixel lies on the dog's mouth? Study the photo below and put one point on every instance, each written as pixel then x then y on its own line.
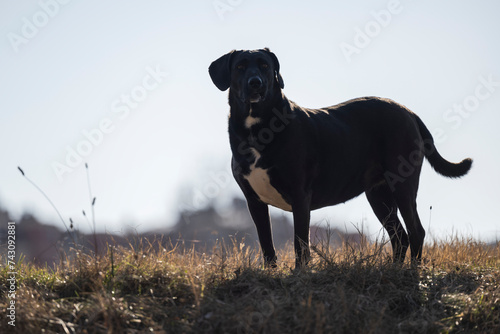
pixel 255 97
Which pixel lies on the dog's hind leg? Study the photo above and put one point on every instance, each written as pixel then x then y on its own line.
pixel 406 200
pixel 385 208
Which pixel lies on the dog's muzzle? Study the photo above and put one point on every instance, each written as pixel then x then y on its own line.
pixel 255 86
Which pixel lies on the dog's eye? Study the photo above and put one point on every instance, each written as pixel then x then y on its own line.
pixel 264 66
pixel 240 67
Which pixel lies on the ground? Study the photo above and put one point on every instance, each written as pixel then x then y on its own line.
pixel 149 287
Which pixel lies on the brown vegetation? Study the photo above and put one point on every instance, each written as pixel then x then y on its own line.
pixel 147 287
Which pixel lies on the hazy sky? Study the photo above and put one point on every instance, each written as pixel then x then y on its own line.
pixel 123 86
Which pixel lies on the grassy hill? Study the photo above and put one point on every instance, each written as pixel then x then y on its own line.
pixel 353 289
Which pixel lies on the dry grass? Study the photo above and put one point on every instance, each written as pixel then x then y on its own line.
pixel 355 289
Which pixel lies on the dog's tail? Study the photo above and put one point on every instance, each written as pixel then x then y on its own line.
pixel 441 165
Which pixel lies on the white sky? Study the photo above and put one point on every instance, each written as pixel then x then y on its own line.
pixel 67 67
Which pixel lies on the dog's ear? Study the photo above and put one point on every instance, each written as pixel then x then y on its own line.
pixel 220 71
pixel 278 76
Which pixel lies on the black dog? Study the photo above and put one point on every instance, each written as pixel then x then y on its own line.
pixel 300 159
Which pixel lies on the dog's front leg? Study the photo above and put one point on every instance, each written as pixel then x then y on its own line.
pixel 260 215
pixel 301 221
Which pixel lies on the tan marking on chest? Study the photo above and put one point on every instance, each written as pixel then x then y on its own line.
pixel 250 120
pixel 260 183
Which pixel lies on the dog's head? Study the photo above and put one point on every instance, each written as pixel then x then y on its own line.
pixel 252 75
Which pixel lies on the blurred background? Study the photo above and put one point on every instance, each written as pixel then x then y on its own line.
pixel 123 86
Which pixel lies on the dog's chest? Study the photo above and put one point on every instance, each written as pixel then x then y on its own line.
pixel 259 180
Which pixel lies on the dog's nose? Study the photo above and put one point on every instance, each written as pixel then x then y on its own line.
pixel 255 82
